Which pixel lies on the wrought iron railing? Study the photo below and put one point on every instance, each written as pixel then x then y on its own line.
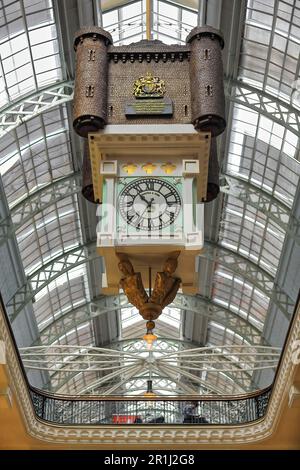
pixel 159 410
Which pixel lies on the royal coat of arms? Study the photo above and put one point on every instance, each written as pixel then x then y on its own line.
pixel 149 87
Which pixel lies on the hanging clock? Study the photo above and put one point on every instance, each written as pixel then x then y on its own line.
pixel 149 205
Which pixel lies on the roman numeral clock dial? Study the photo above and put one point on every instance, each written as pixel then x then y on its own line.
pixel 149 204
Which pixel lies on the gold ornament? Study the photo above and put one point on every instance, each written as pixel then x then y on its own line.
pixel 149 168
pixel 168 168
pixel 165 289
pixel 130 168
pixel 149 87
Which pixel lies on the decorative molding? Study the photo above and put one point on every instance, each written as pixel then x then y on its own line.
pixel 294 396
pixel 2 352
pixel 141 52
pixel 171 435
pixel 194 145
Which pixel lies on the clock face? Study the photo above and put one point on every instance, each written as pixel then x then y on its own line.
pixel 149 204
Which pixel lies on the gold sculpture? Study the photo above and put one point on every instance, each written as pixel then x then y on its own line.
pixel 165 287
pixel 132 284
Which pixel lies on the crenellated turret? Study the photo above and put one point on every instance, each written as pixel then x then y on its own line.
pixel 206 77
pixel 90 95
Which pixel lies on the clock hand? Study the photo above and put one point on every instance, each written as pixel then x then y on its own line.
pixel 144 199
pixel 149 204
pixel 146 209
pixel 141 215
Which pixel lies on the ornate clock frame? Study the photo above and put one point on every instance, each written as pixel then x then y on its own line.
pixel 157 151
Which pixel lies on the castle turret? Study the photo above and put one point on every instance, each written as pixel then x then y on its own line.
pixel 90 95
pixel 206 76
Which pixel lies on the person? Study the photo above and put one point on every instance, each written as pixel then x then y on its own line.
pixel 190 414
pixel 159 419
pixel 138 420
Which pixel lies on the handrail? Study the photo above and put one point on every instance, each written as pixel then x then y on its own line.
pixel 62 397
pixel 208 410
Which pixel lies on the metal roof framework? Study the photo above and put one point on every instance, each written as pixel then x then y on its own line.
pixel 39 166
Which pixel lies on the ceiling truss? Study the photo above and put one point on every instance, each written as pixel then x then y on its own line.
pixel 197 305
pixel 38 102
pixel 36 203
pixel 237 362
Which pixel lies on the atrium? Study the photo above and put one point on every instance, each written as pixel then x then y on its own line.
pixel 75 370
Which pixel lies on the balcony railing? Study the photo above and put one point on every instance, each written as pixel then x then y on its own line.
pixel 148 411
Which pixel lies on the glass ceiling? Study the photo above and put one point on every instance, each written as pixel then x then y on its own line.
pixel 261 153
pixel 29 48
pixel 170 23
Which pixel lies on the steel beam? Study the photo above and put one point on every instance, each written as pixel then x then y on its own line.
pixel 185 363
pixel 48 273
pixel 36 103
pixel 264 103
pixel 256 276
pixel 36 203
pixel 236 263
pixel 262 201
pixel 75 317
pixel 197 305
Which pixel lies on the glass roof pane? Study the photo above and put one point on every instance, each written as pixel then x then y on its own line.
pixel 219 335
pixel 264 152
pixel 238 295
pixel 25 25
pixel 271 46
pixel 62 294
pixel 126 24
pixel 35 154
pixel 48 233
pixel 252 234
pixel 170 23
